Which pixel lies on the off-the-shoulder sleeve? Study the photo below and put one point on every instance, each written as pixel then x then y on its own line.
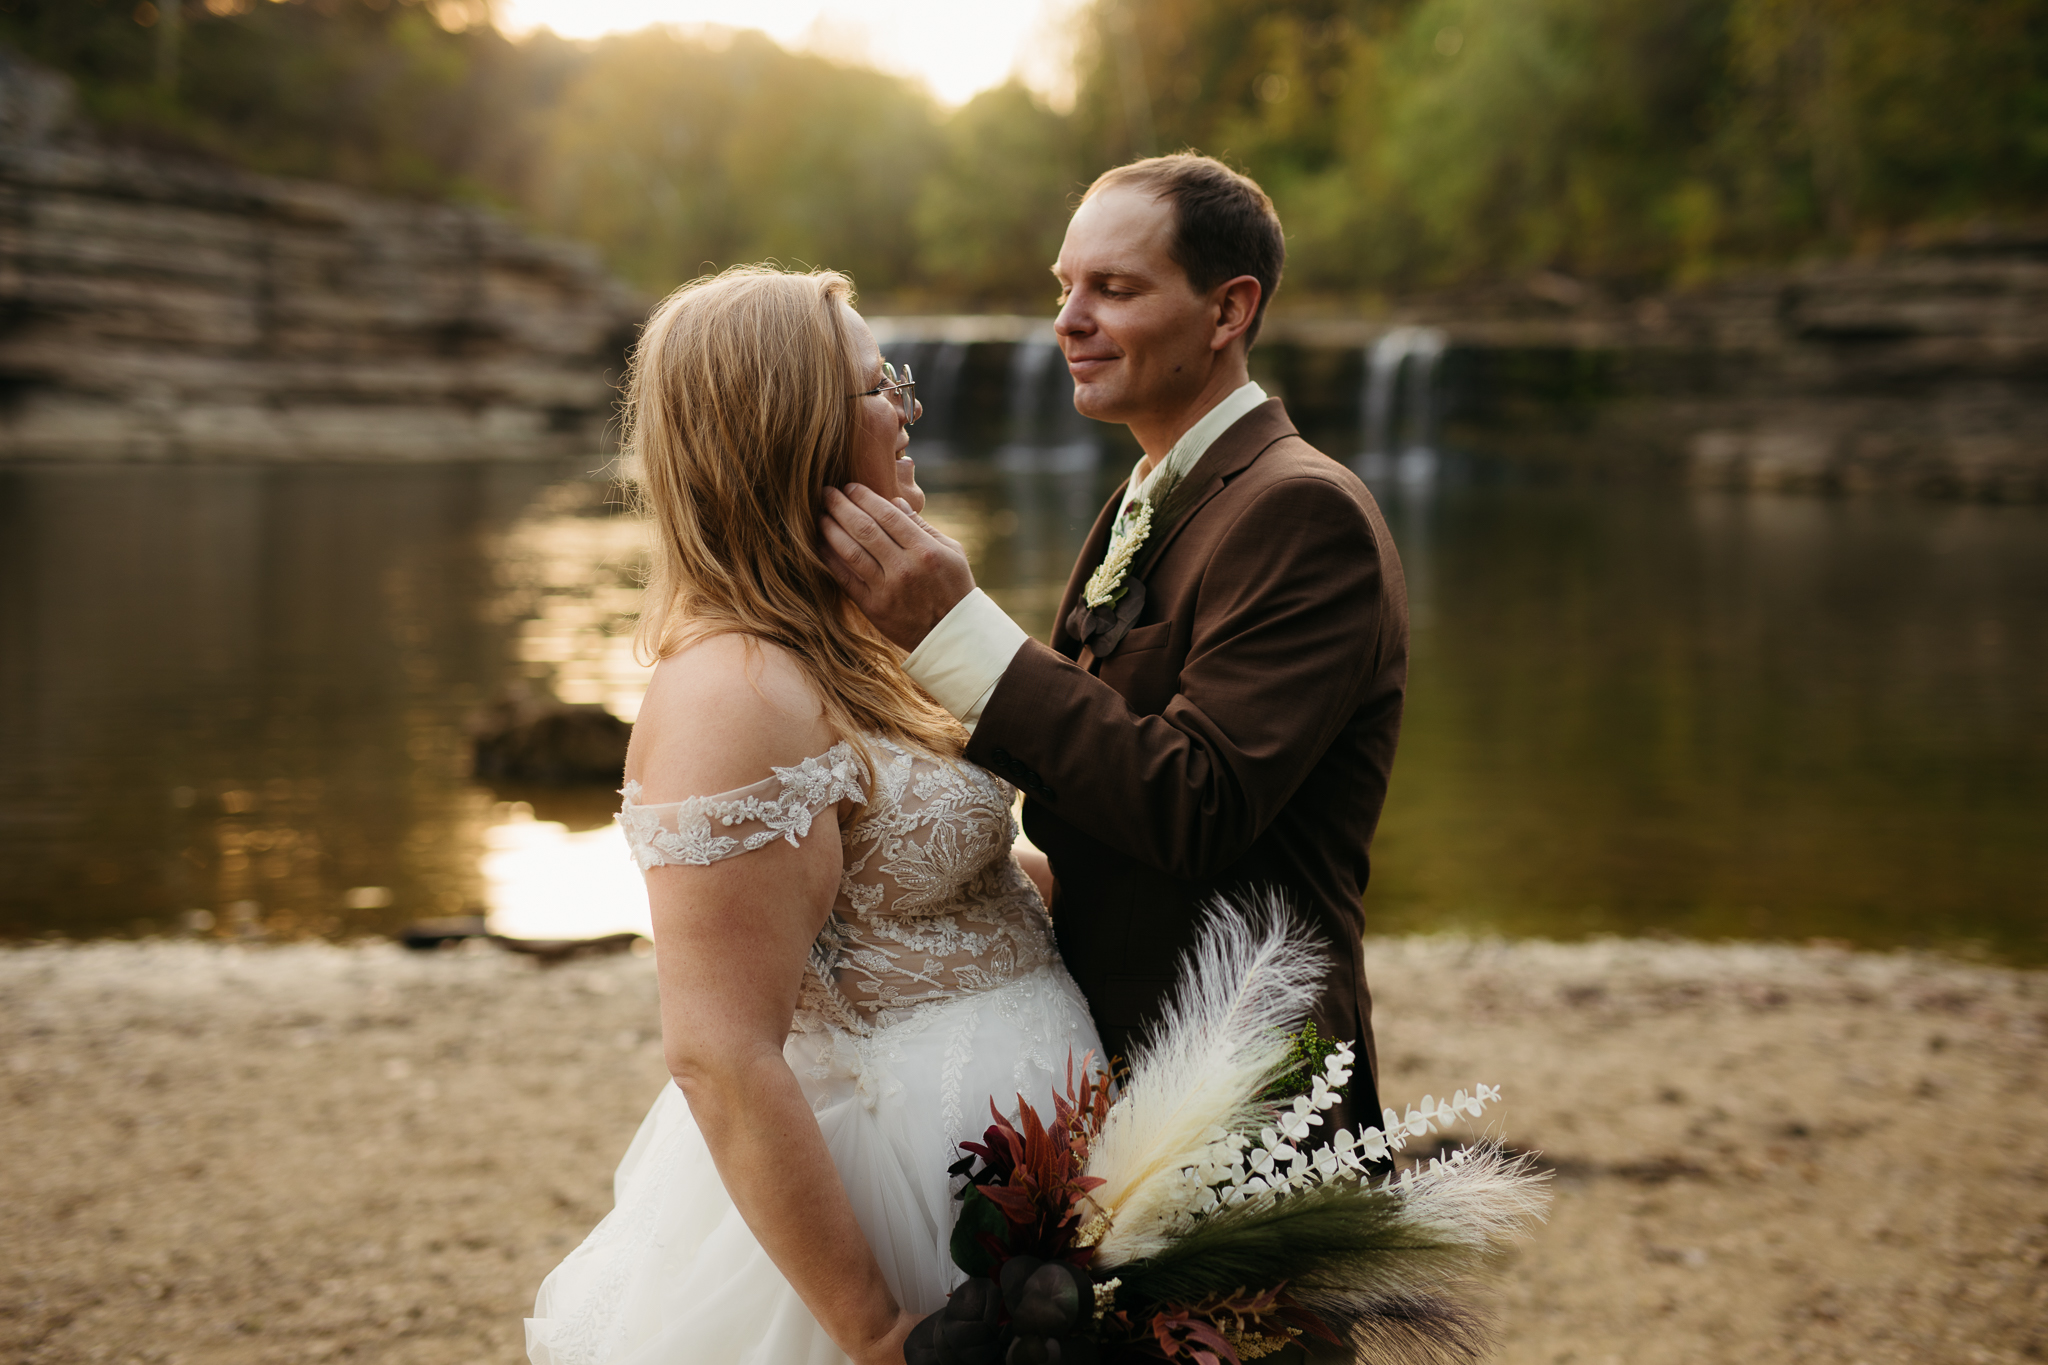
pixel 704 829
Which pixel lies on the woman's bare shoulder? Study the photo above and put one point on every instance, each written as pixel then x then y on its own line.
pixel 719 714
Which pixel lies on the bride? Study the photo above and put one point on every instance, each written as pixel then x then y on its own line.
pixel 852 961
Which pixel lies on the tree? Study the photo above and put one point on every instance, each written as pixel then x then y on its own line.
pixel 991 215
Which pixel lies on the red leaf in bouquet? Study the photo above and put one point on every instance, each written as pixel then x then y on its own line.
pixel 1081 1111
pixel 1203 1332
pixel 1016 1202
pixel 1031 1171
pixel 1178 1335
pixel 1269 1312
pixel 991 1151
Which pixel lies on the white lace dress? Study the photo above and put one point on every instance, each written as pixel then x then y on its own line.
pixel 934 988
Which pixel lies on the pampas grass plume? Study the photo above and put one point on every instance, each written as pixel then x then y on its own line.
pixel 1220 1043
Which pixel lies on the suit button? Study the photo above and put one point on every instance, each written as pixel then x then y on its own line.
pixel 1000 755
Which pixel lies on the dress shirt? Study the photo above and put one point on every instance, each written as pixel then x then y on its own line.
pixel 963 658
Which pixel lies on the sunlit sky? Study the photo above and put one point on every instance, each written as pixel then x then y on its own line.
pixel 956 47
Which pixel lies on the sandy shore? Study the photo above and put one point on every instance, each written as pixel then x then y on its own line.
pixel 312 1153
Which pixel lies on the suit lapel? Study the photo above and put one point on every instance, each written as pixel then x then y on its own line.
pixel 1244 441
pixel 1092 551
pixel 1233 451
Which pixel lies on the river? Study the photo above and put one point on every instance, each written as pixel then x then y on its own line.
pixel 233 698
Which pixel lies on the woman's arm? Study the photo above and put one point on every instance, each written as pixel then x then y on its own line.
pixel 731 941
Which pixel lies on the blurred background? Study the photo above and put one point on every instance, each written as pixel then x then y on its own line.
pixel 1697 350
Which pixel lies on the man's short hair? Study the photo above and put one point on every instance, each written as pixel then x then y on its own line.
pixel 1224 225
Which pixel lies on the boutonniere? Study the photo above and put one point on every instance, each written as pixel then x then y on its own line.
pixel 1106 584
pixel 1111 599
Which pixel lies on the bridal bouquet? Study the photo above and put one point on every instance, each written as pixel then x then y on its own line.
pixel 1201 1216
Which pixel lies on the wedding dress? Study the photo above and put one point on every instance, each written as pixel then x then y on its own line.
pixel 933 988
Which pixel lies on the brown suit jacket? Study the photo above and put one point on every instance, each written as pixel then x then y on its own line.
pixel 1238 738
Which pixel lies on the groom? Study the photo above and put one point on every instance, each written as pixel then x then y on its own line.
pixel 1218 707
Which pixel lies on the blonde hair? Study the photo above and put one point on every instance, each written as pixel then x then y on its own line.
pixel 737 418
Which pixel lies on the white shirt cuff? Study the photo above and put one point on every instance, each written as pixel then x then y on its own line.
pixel 963 658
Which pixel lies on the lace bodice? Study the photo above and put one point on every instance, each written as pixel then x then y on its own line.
pixel 931 903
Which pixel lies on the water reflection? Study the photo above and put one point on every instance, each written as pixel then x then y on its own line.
pixel 1721 715
pixel 556 879
pixel 239 691
pixel 235 699
pixel 567 575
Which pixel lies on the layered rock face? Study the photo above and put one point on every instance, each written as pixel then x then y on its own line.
pixel 1923 371
pixel 156 310
pixel 1919 370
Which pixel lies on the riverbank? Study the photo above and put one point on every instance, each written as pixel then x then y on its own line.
pixel 311 1153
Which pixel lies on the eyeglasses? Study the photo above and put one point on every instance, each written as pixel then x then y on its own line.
pixel 902 392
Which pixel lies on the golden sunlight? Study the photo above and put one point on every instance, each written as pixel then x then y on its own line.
pixel 955 49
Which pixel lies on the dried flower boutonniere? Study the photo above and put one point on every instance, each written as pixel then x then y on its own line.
pixel 1106 584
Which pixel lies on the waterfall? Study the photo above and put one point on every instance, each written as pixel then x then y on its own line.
pixel 1060 442
pixel 941 393
pixel 1028 362
pixel 1418 351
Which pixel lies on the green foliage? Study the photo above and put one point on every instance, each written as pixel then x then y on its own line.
pixel 1420 143
pixel 1523 134
pixel 1408 143
pixel 680 154
pixel 1307 1053
pixel 990 216
pixel 1344 1234
pixel 379 95
pixel 978 1218
pixel 1845 116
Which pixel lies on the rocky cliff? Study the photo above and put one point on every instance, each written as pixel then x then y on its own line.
pixel 153 309
pixel 1922 370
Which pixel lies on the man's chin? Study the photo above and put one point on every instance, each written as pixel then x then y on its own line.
pixel 1097 401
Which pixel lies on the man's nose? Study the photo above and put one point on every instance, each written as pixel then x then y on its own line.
pixel 1073 317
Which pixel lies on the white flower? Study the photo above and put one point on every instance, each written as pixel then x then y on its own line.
pixel 1295 1122
pixel 1346 1148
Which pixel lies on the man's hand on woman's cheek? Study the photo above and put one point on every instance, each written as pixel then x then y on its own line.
pixel 899 569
